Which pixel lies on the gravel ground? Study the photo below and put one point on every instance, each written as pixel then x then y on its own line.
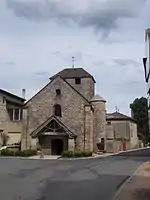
pixel 138 187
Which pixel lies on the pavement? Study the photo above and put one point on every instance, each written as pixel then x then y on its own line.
pixel 53 157
pixel 45 157
pixel 138 186
pixel 100 178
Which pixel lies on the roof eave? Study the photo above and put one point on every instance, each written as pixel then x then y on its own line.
pixel 12 95
pixel 120 119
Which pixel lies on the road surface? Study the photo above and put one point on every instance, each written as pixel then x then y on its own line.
pixel 91 179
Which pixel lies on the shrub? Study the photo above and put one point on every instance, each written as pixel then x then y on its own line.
pixel 76 154
pixel 6 152
pixel 25 153
pixel 87 153
pixel 67 154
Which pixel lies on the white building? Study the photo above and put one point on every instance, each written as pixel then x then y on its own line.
pixel 146 62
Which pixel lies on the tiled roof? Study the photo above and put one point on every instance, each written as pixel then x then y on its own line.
pixel 73 73
pixel 12 95
pixel 118 116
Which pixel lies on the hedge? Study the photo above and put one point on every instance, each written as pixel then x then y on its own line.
pixel 25 153
pixel 76 154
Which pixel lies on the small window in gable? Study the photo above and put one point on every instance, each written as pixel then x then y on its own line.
pixel 58 92
pixel 57 110
pixel 78 81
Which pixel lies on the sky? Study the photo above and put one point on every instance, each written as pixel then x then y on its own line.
pixel 39 37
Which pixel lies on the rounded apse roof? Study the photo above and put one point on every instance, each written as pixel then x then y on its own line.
pixel 97 97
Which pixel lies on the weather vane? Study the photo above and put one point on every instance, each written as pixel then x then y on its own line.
pixel 73 61
pixel 117 109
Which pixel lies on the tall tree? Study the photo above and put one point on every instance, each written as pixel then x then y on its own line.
pixel 139 109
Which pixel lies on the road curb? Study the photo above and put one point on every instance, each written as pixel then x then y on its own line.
pixel 102 156
pixel 127 181
pixel 83 158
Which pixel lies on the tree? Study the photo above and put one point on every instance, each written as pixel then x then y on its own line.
pixel 139 109
pixel 4 139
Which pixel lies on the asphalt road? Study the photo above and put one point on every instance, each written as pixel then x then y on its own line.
pixel 92 179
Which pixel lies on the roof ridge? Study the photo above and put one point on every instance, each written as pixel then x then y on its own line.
pixel 73 73
pixel 50 83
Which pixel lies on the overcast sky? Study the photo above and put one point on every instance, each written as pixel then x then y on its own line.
pixel 39 37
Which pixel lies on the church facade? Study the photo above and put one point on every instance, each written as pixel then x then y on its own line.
pixel 65 115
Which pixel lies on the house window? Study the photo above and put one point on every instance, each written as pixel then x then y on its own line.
pixel 58 92
pixel 109 123
pixel 15 114
pixel 57 110
pixel 78 81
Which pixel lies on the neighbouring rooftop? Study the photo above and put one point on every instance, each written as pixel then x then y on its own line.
pixel 118 116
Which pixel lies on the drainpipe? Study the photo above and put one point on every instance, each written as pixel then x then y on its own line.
pixel 27 128
pixel 84 129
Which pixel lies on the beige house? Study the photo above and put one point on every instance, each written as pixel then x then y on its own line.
pixel 121 132
pixel 64 115
pixel 11 110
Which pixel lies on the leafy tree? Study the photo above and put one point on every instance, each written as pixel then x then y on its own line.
pixel 139 109
pixel 4 139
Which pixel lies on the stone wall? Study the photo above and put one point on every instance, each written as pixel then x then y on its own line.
pixel 121 129
pixel 134 137
pixel 99 120
pixel 86 88
pixel 88 128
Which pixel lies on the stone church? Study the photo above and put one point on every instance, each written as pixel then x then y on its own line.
pixel 66 114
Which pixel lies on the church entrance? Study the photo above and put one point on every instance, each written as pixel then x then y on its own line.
pixel 57 146
pixel 53 138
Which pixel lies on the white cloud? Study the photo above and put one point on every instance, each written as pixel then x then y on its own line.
pixel 102 15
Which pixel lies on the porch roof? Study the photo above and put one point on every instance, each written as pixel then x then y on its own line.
pixel 37 131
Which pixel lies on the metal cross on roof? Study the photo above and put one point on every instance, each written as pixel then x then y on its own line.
pixel 73 61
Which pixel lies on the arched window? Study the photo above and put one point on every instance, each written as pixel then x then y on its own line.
pixel 57 110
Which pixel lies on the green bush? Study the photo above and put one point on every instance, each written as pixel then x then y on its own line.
pixel 6 152
pixel 87 153
pixel 67 154
pixel 76 154
pixel 25 153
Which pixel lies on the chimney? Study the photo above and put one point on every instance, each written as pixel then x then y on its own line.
pixel 23 93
